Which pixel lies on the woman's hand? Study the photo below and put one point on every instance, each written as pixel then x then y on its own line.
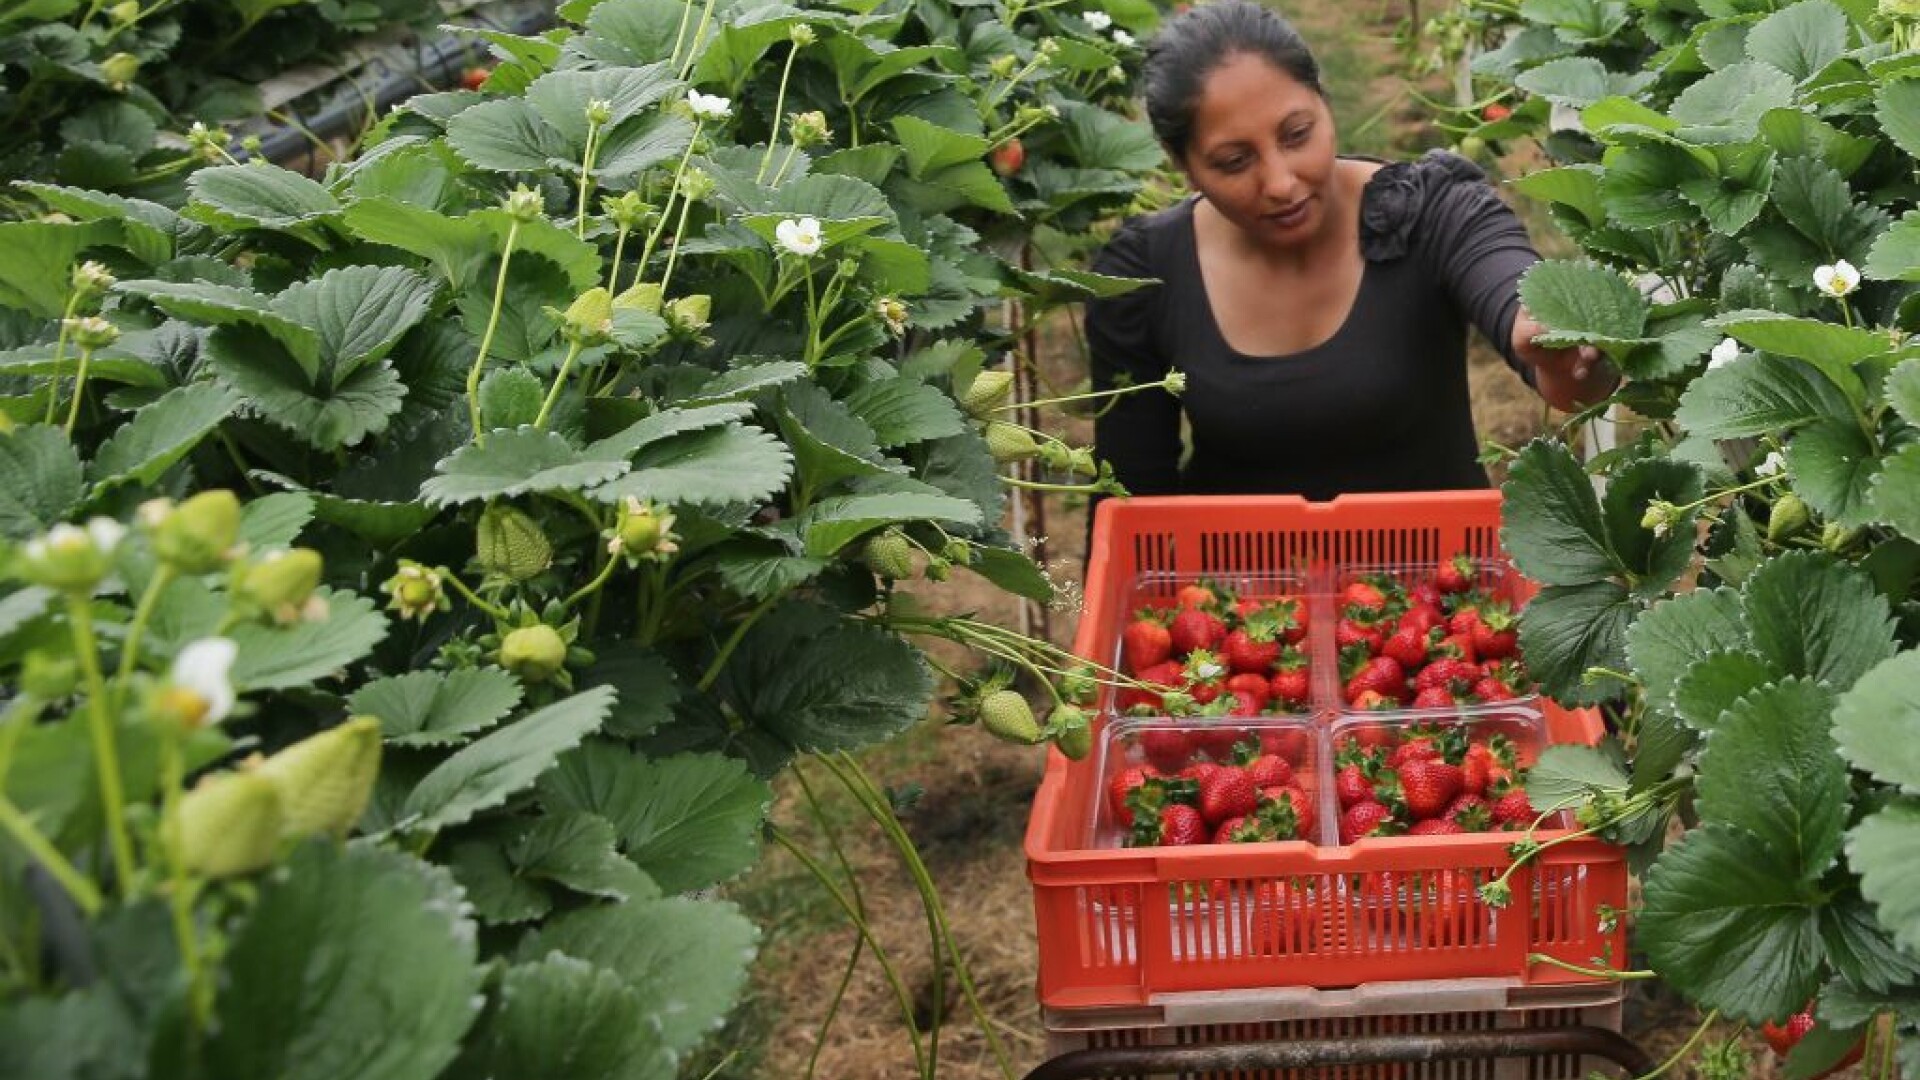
pixel 1569 379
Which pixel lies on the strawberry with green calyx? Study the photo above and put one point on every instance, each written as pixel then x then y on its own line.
pixel 1266 770
pixel 1422 619
pixel 1196 628
pixel 1380 675
pixel 1175 825
pixel 1455 676
pixel 1205 595
pixel 1007 716
pixel 229 824
pixel 1783 1037
pixel 1424 594
pixel 1496 634
pixel 1120 791
pixel 1145 643
pixel 1476 769
pixel 1429 786
pixel 1166 748
pixel 1238 830
pixel 1435 697
pixel 1359 627
pixel 1291 682
pixel 1255 645
pixel 1363 594
pixel 1286 811
pixel 985 392
pixel 1374 701
pixel 1450 741
pixel 1007 158
pixel 536 653
pixel 1204 675
pixel 1365 819
pixel 1245 703
pixel 1010 442
pixel 1456 647
pixel 1456 575
pixel 1354 784
pixel 1409 645
pixel 1471 812
pixel 1255 685
pixel 1436 826
pixel 1069 729
pixel 889 554
pixel 1080 684
pixel 1513 810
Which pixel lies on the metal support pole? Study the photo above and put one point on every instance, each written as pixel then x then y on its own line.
pixel 1237 1058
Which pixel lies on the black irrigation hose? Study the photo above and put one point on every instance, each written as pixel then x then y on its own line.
pixel 432 59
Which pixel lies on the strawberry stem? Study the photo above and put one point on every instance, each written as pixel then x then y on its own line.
pixel 1591 972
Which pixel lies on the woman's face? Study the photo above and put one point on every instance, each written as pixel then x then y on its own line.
pixel 1262 150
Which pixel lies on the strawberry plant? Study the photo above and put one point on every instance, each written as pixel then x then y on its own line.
pixel 1741 596
pixel 604 406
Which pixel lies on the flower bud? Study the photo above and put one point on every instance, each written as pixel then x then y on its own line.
pixel 809 129
pixel 510 544
pixel 889 554
pixel 416 591
pixel 198 536
pixel 47 677
pixel 696 185
pixel 1081 463
pixel 958 552
pixel 1008 442
pixel 987 392
pixel 893 313
pixel 589 319
pixel 281 583
pixel 124 12
pixel 325 780
pixel 253 146
pixel 534 653
pixel 119 69
pixel 208 144
pixel 91 279
pixel 69 558
pixel 1003 66
pixel 1079 685
pixel 1790 515
pixel 801 35
pixel 939 569
pixel 1176 383
pixel 92 332
pixel 599 111
pixel 525 204
pixel 230 824
pixel 689 315
pixel 628 211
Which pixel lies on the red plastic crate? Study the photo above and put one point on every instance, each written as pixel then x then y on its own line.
pixel 1118 927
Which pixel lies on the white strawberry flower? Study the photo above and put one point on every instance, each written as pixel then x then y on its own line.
pixel 801 237
pixel 1099 20
pixel 204 669
pixel 1772 465
pixel 1837 280
pixel 1723 354
pixel 1122 38
pixel 709 106
pixel 106 534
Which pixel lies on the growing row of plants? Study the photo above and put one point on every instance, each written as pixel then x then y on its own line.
pixel 518 500
pixel 1741 598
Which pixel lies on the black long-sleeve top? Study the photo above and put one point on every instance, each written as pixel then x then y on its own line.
pixel 1382 405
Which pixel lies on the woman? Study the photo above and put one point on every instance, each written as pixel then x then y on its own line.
pixel 1317 304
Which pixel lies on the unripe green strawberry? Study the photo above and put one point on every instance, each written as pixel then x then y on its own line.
pixel 987 391
pixel 282 582
pixel 198 536
pixel 510 544
pixel 1070 731
pixel 1008 442
pixel 1790 515
pixel 535 653
pixel 889 554
pixel 589 319
pixel 230 824
pixel 325 780
pixel 1839 540
pixel 1008 716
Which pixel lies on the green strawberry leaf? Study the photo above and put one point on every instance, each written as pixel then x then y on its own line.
pixel 364 403
pixel 646 684
pixel 1013 571
pixel 1583 302
pixel 1861 950
pixel 432 708
pixel 1760 395
pixel 902 412
pixel 487 772
pixel 1829 347
pixel 1902 388
pixel 1728 922
pixel 1725 106
pixel 1897 107
pixel 557 1012
pixel 151 229
pixel 257 196
pixel 639 145
pixel 1833 465
pixel 499 895
pixel 1884 849
pixel 930 147
pixel 1815 616
pixel 1771 768
pixel 1713 683
pixel 39 264
pixel 518 461
pixel 310 978
pixel 41 481
pixel 686 959
pixel 1574 186
pixel 1895 255
pixel 1065 285
pixel 561 97
pixel 667 423
pixel 576 850
pixel 358 312
pixel 829 442
pixel 1643 183
pixel 278 657
pixel 1895 493
pixel 274 521
pixel 1877 721
pixel 1573 81
pixel 507 136
pixel 713 467
pixel 831 524
pixel 161 434
pixel 1653 561
pixel 1800 39
pixel 819 681
pixel 689 821
pixel 1567 629
pixel 457 247
pixel 208 303
pixel 1553 527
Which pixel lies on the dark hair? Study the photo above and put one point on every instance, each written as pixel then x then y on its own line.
pixel 1190 46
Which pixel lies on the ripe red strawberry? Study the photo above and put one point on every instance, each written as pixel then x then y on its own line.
pixel 1463 619
pixel 1415 749
pixel 1456 575
pixel 1434 697
pixel 1514 809
pixel 1236 830
pixel 1007 158
pixel 1170 674
pixel 1490 689
pixel 1245 652
pixel 1423 594
pixel 1196 595
pixel 1429 786
pixel 1374 701
pixel 1456 647
pixel 1438 826
pixel 474 78
pixel 1121 787
pixel 1453 675
pixel 1495 636
pixel 1227 792
pixel 1495 112
pixel 1363 594
pixel 1246 703
pixel 1290 684
pixel 1145 642
pixel 1365 819
pixel 1352 786
pixel 1350 631
pixel 1784 1037
pixel 1270 770
pixel 1289 744
pixel 1476 769
pixel 1133 701
pixel 1408 645
pixel 1295 820
pixel 1422 618
pixel 1194 628
pixel 1180 825
pixel 1166 748
pixel 1249 683
pixel 1381 675
pixel 1471 813
pixel 1291 613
